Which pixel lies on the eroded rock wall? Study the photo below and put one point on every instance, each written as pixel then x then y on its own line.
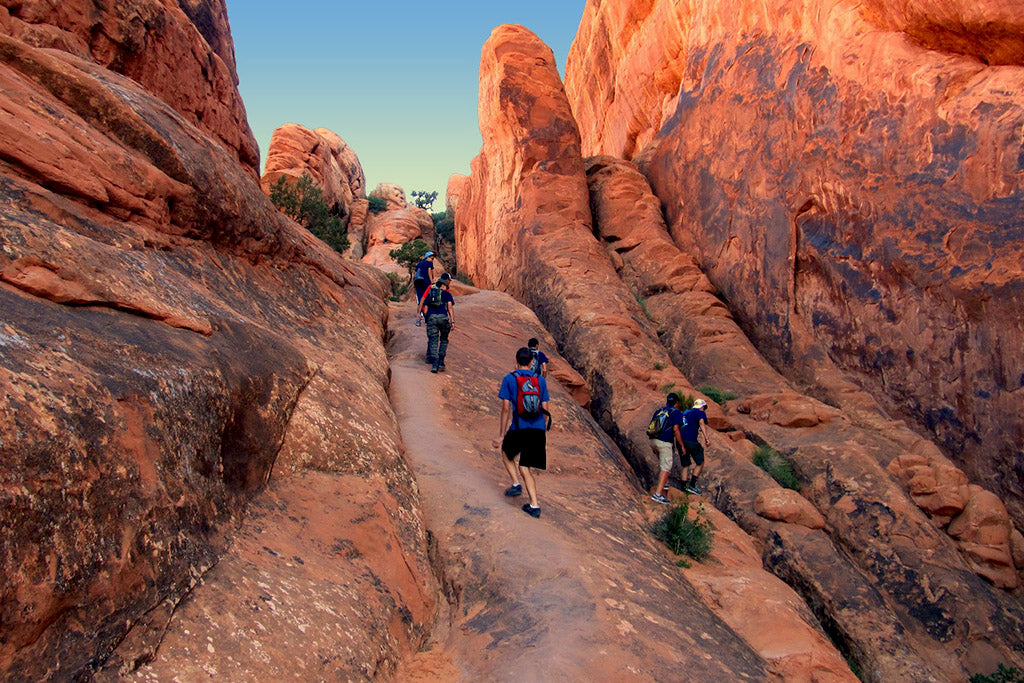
pixel 170 342
pixel 846 175
pixel 321 153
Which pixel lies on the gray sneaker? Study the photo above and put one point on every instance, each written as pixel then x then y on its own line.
pixel 692 488
pixel 658 498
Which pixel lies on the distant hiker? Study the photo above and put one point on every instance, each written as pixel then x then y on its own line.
pixel 664 433
pixel 437 308
pixel 539 363
pixel 692 450
pixel 424 276
pixel 522 428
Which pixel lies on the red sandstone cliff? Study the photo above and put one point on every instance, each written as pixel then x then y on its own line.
pixel 169 345
pixel 524 225
pixel 848 178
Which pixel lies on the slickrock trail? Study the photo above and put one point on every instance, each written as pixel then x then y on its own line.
pixel 583 591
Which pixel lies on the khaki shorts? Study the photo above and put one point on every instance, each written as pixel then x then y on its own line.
pixel 664 451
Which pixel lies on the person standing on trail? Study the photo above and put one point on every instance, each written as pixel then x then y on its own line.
pixel 664 434
pixel 522 427
pixel 692 450
pixel 539 364
pixel 424 276
pixel 438 308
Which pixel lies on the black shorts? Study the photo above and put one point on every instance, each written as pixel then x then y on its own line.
pixel 691 449
pixel 529 445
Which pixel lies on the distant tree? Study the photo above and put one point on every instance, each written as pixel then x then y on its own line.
pixel 445 228
pixel 377 204
pixel 424 199
pixel 409 254
pixel 303 201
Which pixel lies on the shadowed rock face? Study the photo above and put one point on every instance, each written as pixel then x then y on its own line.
pixel 842 186
pixel 169 343
pixel 321 153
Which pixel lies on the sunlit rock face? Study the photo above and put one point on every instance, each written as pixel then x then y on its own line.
pixel 181 52
pixel 169 344
pixel 325 157
pixel 849 179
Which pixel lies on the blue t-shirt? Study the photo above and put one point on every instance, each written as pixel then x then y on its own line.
pixel 423 269
pixel 509 391
pixel 691 424
pixel 539 355
pixel 446 297
pixel 675 417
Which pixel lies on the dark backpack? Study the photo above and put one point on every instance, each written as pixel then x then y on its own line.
pixel 434 298
pixel 527 396
pixel 535 364
pixel 658 422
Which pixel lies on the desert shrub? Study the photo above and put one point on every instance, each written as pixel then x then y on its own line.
pixel 715 394
pixel 409 254
pixel 777 466
pixel 445 229
pixel 685 536
pixel 377 204
pixel 643 306
pixel 666 388
pixel 1003 674
pixel 303 201
pixel 398 287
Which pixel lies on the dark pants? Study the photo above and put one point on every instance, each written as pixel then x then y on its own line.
pixel 421 286
pixel 438 327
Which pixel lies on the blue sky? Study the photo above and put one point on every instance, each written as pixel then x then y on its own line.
pixel 397 80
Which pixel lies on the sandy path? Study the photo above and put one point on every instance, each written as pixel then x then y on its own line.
pixel 582 591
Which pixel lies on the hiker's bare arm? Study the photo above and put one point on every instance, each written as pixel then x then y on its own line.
pixel 451 313
pixel 543 369
pixel 502 422
pixel 678 436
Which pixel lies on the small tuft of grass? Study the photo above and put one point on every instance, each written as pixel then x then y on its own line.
pixel 465 278
pixel 777 466
pixel 717 395
pixel 685 536
pixel 666 388
pixel 659 366
pixel 1003 674
pixel 643 307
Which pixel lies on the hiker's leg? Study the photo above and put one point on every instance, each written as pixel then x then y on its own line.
pixel 432 337
pixel 444 327
pixel 508 446
pixel 662 482
pixel 531 485
pixel 698 459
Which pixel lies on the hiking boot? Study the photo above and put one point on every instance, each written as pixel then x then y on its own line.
pixel 514 490
pixel 692 488
pixel 428 360
pixel 532 511
pixel 434 369
pixel 658 498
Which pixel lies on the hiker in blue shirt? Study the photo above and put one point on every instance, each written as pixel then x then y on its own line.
pixel 692 450
pixel 424 276
pixel 539 364
pixel 438 308
pixel 670 418
pixel 522 428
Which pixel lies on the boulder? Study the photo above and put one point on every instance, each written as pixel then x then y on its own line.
pixel 784 505
pixel 325 157
pixel 984 534
pixel 391 229
pixel 787 409
pixel 393 195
